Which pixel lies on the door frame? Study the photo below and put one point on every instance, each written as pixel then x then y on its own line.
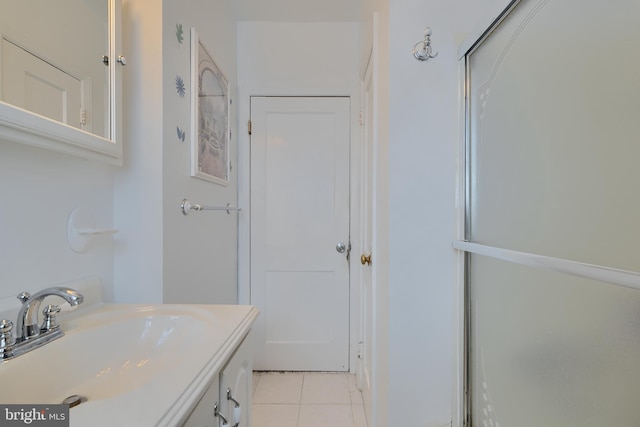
pixel 368 79
pixel 460 402
pixel 243 141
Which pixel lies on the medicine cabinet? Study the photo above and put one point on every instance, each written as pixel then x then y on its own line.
pixel 60 76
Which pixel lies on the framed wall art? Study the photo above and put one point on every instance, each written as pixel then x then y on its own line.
pixel 210 131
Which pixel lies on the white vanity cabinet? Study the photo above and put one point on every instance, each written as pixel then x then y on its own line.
pixel 204 413
pixel 228 397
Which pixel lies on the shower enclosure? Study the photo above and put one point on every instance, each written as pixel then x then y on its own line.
pixel 552 216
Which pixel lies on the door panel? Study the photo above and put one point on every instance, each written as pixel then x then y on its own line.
pixel 552 159
pixel 299 212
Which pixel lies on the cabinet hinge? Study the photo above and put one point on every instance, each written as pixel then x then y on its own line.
pixel 249 127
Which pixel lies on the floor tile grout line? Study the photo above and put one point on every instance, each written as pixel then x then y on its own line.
pixel 300 401
pixel 299 406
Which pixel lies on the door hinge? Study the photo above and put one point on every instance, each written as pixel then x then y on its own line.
pixel 249 127
pixel 83 116
pixel 361 118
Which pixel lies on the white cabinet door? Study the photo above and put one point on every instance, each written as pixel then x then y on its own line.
pixel 236 386
pixel 227 401
pixel 204 413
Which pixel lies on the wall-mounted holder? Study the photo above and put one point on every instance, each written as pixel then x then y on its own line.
pixel 81 230
pixel 186 206
pixel 422 50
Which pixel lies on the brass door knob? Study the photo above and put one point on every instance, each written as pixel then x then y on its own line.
pixel 364 259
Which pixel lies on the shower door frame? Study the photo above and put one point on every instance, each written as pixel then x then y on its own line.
pixel 461 404
pixel 462 396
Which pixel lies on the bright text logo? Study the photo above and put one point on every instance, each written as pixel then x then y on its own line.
pixel 36 415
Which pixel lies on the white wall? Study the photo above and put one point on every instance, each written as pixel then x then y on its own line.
pixel 39 189
pixel 281 56
pixel 423 140
pixel 138 184
pixel 200 249
pixel 166 256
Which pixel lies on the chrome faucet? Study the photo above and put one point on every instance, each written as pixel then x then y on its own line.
pixel 30 335
pixel 28 315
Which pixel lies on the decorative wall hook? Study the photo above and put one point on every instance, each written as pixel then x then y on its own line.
pixel 422 50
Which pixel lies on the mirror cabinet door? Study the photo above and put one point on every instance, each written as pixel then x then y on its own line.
pixel 59 84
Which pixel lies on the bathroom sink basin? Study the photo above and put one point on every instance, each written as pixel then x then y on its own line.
pixel 125 359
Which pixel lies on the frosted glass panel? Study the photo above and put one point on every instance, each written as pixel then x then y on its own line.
pixel 554 112
pixel 551 350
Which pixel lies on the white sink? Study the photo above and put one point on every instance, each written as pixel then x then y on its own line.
pixel 137 364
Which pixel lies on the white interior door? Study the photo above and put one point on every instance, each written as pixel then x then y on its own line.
pixel 365 367
pixel 299 219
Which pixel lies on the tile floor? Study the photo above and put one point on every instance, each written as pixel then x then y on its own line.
pixel 306 400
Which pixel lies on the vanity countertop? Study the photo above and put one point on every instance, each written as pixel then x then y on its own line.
pixel 137 365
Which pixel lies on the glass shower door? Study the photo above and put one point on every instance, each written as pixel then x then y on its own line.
pixel 553 217
pixel 551 350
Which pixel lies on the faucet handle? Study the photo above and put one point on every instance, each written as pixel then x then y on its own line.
pixel 49 323
pixel 6 339
pixel 24 297
pixel 5 327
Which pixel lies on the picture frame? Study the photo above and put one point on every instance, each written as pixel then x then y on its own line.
pixel 210 126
